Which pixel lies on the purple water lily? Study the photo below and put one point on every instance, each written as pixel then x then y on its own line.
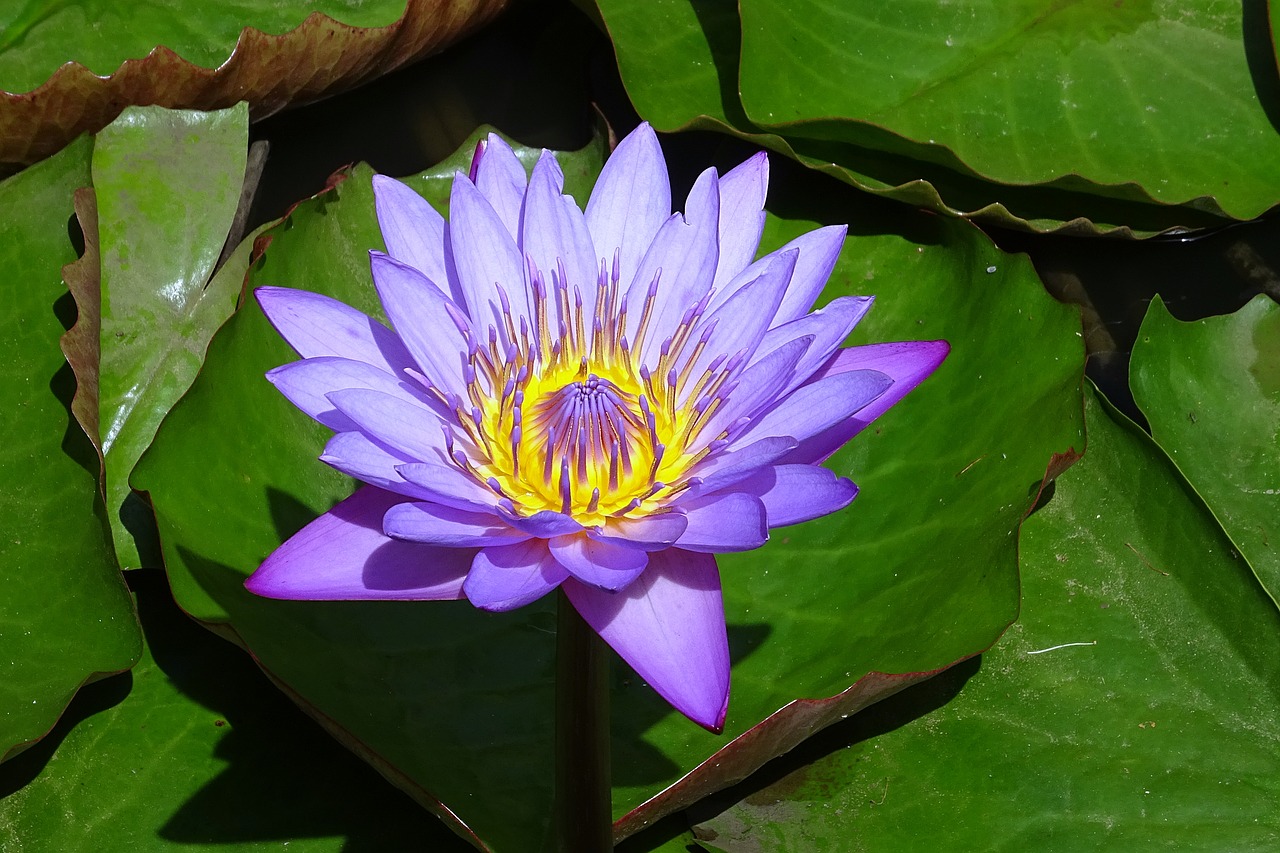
pixel 598 401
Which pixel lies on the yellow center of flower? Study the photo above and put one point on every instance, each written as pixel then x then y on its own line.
pixel 564 417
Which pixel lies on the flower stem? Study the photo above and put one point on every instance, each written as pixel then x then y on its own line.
pixel 583 819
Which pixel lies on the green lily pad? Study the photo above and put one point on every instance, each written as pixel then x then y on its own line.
pixel 65 616
pixel 167 184
pixel 874 95
pixel 1211 392
pixel 70 66
pixel 1131 707
pixel 918 574
pixel 194 750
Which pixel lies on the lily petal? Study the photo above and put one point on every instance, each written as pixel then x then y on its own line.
pixel 742 195
pixel 554 233
pixel 315 325
pixel 605 565
pixel 412 229
pixel 630 201
pixel 726 522
pixel 504 577
pixel 812 408
pixel 431 326
pixel 344 556
pixel 795 493
pixel 357 455
pixel 412 431
pixel 907 363
pixel 485 257
pixel 436 524
pixel 501 180
pixel 307 383
pixel 669 627
pixel 648 533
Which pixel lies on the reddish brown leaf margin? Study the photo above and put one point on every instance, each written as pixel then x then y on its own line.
pixel 81 344
pixel 317 58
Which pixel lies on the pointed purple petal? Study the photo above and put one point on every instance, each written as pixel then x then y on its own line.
pixel 449 485
pixel 344 556
pixel 356 455
pixel 601 564
pixel 829 326
pixel 630 201
pixel 485 257
pixel 727 522
pixel 542 525
pixel 306 383
pixel 812 408
pixel 908 363
pixel 428 322
pixel 553 232
pixel 738 325
pixel 682 258
pixel 795 493
pixel 756 389
pixel 409 430
pixel 501 179
pixel 721 470
pixel 649 533
pixel 436 524
pixel 818 252
pixel 742 194
pixel 505 577
pixel 412 229
pixel 669 627
pixel 316 325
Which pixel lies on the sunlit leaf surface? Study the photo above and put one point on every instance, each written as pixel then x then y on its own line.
pixel 1132 706
pixel 1211 392
pixel 65 616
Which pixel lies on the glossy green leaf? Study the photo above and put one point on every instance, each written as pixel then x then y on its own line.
pixel 167 184
pixel 919 573
pixel 1211 392
pixel 1131 707
pixel 69 66
pixel 1023 115
pixel 195 750
pixel 65 616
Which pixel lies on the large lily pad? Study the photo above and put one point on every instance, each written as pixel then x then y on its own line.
pixel 1131 707
pixel 919 573
pixel 65 616
pixel 1211 392
pixel 194 750
pixel 70 67
pixel 1016 114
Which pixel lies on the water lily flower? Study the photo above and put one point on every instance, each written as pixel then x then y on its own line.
pixel 595 400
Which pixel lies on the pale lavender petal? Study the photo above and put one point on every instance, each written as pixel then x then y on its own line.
pixel 829 326
pixel 649 533
pixel 907 363
pixel 553 232
pixel 812 408
pixel 501 179
pixel 316 325
pixel 428 322
pixel 485 256
pixel 682 262
pixel 504 577
pixel 728 522
pixel 412 229
pixel 818 252
pixel 542 525
pixel 737 326
pixel 307 383
pixel 409 430
pixel 669 627
pixel 721 470
pixel 742 194
pixel 755 389
pixel 436 524
pixel 344 556
pixel 356 455
pixel 601 564
pixel 630 201
pixel 795 493
pixel 447 484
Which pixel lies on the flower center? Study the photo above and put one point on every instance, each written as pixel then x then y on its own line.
pixel 562 416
